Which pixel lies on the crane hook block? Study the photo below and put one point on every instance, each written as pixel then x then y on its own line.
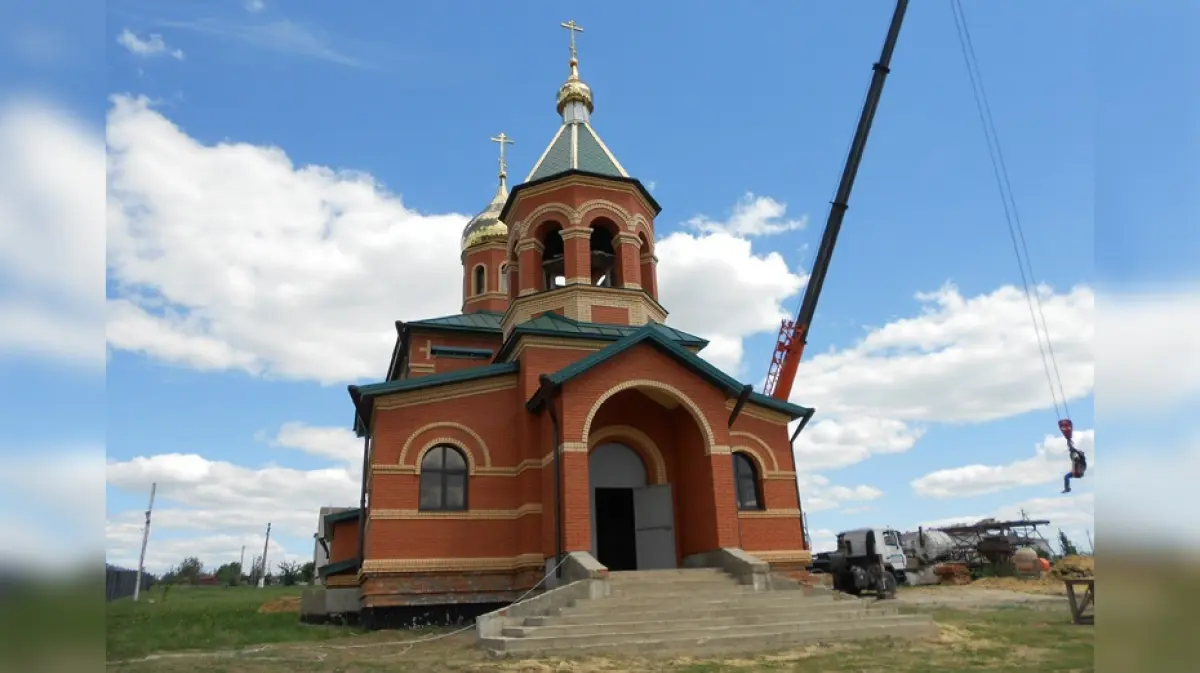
pixel 1066 427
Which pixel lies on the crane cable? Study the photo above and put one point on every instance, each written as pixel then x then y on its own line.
pixel 1016 233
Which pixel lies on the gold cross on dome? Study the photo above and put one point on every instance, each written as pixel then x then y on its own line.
pixel 574 28
pixel 503 140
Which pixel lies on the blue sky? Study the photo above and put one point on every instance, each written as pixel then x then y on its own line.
pixel 707 108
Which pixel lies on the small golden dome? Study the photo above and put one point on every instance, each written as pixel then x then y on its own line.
pixel 486 226
pixel 574 90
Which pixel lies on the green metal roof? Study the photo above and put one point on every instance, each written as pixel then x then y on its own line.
pixel 365 393
pixel 557 157
pixel 593 155
pixel 335 517
pixel 479 321
pixel 553 324
pixel 338 567
pixel 576 146
pixel 446 378
pixel 660 336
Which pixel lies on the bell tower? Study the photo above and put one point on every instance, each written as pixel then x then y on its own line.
pixel 581 240
pixel 485 278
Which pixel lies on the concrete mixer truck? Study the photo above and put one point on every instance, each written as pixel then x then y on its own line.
pixel 923 550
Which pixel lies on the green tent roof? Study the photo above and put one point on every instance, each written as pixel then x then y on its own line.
pixel 576 146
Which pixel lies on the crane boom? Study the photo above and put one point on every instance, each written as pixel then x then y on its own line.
pixel 793 335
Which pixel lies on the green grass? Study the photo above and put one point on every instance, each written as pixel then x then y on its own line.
pixel 204 618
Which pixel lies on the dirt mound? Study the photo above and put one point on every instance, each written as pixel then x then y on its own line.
pixel 282 604
pixel 1074 567
pixel 954 574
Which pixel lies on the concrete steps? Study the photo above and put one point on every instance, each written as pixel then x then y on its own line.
pixel 704 611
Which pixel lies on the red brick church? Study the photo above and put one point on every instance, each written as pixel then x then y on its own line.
pixel 558 412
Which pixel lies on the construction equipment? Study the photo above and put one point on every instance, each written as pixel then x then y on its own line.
pixel 793 335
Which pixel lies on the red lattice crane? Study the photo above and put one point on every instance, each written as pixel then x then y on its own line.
pixel 793 335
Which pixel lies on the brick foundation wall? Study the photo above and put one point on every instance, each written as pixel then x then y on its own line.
pixel 440 588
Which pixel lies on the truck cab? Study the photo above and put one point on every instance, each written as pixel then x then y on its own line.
pixel 852 544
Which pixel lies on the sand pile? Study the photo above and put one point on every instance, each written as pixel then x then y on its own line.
pixel 282 604
pixel 1074 567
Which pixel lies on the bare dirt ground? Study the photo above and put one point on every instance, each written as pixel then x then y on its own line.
pixel 980 597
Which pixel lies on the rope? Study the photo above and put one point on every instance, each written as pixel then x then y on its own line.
pixel 1011 216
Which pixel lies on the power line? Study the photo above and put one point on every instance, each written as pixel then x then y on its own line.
pixel 1011 216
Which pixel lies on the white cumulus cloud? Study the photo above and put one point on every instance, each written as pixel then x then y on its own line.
pixel 752 216
pixel 152 45
pixel 230 256
pixel 1048 465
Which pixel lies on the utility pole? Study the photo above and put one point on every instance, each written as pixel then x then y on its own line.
pixel 137 587
pixel 1091 547
pixel 262 575
pixel 241 566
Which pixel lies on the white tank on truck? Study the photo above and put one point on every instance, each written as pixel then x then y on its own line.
pixel 923 550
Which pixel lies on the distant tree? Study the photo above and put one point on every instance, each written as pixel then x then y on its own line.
pixel 1068 547
pixel 289 572
pixel 188 571
pixel 307 571
pixel 229 574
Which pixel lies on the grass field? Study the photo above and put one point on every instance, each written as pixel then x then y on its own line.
pixel 205 618
pixel 217 630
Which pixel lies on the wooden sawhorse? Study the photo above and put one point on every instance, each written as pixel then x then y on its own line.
pixel 1080 604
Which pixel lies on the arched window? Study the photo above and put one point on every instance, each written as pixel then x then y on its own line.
pixel 746 480
pixel 443 480
pixel 480 280
pixel 504 278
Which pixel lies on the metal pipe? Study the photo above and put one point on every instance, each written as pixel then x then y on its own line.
pixel 362 497
pixel 549 390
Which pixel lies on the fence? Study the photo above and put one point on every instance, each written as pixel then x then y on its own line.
pixel 119 582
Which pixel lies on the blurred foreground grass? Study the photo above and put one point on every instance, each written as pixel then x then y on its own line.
pixel 1147 611
pixel 51 625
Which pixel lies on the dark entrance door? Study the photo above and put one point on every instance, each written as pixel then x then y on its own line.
pixel 616 537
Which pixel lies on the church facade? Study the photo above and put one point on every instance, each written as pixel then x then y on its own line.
pixel 558 412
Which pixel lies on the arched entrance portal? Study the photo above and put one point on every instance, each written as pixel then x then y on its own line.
pixel 633 522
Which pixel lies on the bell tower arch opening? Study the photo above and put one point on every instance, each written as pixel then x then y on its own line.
pixel 553 257
pixel 605 264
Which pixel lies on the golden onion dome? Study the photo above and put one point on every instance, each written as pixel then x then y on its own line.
pixel 574 90
pixel 486 226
